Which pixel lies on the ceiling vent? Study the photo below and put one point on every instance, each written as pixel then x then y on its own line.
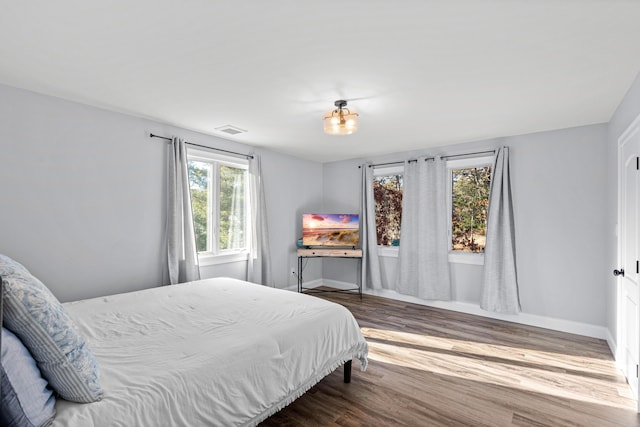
pixel 231 130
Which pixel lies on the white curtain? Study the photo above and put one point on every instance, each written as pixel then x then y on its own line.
pixel 371 276
pixel 259 262
pixel 500 284
pixel 182 257
pixel 235 231
pixel 423 266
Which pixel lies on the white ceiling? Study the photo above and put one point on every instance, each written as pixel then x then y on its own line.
pixel 420 73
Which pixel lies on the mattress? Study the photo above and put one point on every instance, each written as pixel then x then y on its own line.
pixel 212 352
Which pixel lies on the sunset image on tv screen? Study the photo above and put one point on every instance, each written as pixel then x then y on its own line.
pixel 331 230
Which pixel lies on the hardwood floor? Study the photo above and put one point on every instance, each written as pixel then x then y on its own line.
pixel 433 367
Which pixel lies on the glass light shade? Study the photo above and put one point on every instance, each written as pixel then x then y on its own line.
pixel 340 122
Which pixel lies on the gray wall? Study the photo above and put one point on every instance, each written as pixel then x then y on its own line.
pixel 559 189
pixel 626 112
pixel 83 196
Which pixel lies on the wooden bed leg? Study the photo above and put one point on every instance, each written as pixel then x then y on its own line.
pixel 347 372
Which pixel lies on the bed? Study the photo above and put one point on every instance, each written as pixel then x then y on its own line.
pixel 212 352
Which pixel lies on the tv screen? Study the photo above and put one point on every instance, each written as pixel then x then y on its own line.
pixel 334 230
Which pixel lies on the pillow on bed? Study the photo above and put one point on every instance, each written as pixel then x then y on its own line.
pixel 25 401
pixel 36 316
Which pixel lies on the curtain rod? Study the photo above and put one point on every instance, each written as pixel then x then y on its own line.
pixel 248 156
pixel 400 162
pixel 469 154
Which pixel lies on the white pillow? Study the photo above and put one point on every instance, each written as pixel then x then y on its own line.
pixel 36 316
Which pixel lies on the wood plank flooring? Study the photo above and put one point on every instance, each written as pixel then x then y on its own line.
pixel 433 367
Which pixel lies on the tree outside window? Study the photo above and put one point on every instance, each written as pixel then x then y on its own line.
pixel 470 204
pixel 387 192
pixel 199 178
pixel 232 207
pixel 219 204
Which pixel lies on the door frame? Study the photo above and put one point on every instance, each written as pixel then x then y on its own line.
pixel 631 131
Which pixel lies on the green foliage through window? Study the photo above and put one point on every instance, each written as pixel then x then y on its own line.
pixel 199 178
pixel 218 201
pixel 232 208
pixel 387 192
pixel 470 203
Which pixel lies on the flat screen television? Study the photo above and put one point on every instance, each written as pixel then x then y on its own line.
pixel 331 230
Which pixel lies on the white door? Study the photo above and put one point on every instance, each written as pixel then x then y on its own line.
pixel 628 270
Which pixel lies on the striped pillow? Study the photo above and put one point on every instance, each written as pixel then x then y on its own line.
pixel 36 316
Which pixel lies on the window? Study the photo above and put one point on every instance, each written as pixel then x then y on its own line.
pixel 219 201
pixel 387 192
pixel 469 186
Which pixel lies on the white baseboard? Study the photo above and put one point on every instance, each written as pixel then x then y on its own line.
pixel 336 284
pixel 315 283
pixel 310 284
pixel 555 324
pixel 613 347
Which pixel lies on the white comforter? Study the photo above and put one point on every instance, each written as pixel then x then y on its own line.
pixel 217 352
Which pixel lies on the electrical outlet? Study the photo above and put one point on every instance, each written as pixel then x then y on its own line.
pixel 293 271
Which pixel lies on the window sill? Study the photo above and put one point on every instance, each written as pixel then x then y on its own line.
pixel 454 257
pixel 466 258
pixel 388 251
pixel 207 259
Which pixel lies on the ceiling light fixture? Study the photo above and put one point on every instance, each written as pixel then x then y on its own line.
pixel 340 121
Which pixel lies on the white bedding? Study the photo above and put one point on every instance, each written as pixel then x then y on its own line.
pixel 217 352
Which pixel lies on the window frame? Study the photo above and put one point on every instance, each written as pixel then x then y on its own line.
pixel 214 255
pixel 383 250
pixel 460 257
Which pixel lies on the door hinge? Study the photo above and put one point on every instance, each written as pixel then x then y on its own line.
pixel 637 267
pixel 637 163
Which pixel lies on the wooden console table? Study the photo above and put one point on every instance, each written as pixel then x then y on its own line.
pixel 330 253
